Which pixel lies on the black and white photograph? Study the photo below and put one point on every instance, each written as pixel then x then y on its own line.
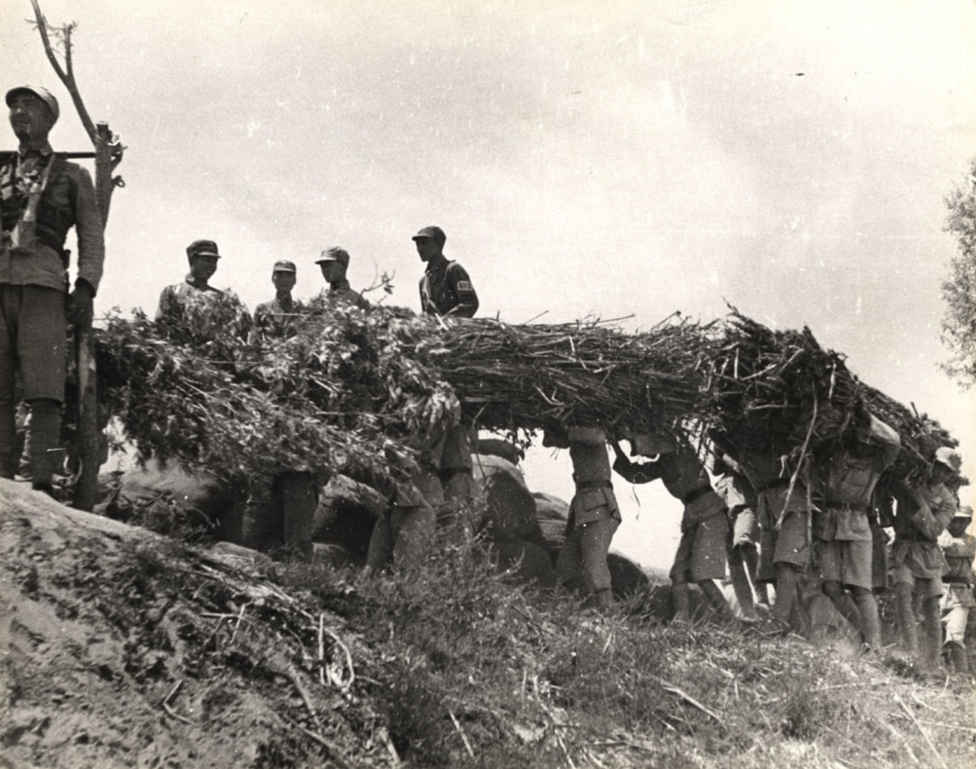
pixel 488 384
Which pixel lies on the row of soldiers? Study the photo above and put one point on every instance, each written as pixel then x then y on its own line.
pixel 824 525
pixel 445 288
pixel 825 522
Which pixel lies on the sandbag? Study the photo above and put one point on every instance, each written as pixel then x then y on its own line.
pixel 499 447
pixel 164 496
pixel 552 514
pixel 530 563
pixel 626 577
pixel 345 516
pixel 511 508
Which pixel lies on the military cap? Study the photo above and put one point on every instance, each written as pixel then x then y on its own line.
pixel 964 512
pixel 41 93
pixel 334 254
pixel 950 458
pixel 434 233
pixel 202 248
pixel 284 266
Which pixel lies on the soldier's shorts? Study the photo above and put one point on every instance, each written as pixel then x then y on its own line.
pixel 701 552
pixel 788 544
pixel 32 333
pixel 844 560
pixel 918 563
pixel 957 603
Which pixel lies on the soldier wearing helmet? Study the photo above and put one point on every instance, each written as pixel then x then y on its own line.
pixel 42 196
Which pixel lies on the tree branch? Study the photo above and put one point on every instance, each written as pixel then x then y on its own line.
pixel 67 78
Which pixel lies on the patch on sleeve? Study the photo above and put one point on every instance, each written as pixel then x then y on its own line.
pixel 464 285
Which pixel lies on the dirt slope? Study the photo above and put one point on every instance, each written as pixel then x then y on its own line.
pixel 121 649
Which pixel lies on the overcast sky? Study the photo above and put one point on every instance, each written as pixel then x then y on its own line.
pixel 584 158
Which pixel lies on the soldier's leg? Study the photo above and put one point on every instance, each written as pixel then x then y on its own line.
pixel 680 575
pixel 930 594
pixel 595 539
pixel 905 616
pixel 787 584
pixel 750 557
pixel 569 564
pixel 737 573
pixel 708 562
pixel 41 350
pixel 867 606
pixel 8 366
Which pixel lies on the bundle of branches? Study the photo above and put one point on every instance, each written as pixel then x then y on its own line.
pixel 335 397
pixel 782 390
pixel 512 377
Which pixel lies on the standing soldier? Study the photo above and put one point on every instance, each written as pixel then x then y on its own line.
pixel 959 549
pixel 42 197
pixel 923 511
pixel 446 287
pixel 446 290
pixel 276 319
pixel 593 512
pixel 334 262
pixel 704 525
pixel 841 531
pixel 203 257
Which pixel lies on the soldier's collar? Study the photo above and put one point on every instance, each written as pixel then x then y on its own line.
pixel 23 150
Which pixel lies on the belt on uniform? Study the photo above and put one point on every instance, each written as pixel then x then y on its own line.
pixel 828 505
pixel 774 484
pixel 594 485
pixel 694 494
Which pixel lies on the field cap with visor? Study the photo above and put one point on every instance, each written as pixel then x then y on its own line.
pixel 433 233
pixel 964 512
pixel 950 458
pixel 284 266
pixel 41 93
pixel 334 254
pixel 202 248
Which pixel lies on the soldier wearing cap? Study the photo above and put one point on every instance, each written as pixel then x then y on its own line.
pixel 42 196
pixel 959 549
pixel 276 319
pixel 446 287
pixel 924 510
pixel 203 256
pixel 334 262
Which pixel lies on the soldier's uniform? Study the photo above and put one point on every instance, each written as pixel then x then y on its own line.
pixel 174 299
pixel 278 318
pixel 593 512
pixel 340 293
pixel 445 288
pixel 957 600
pixel 842 532
pixel 42 196
pixel 704 524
